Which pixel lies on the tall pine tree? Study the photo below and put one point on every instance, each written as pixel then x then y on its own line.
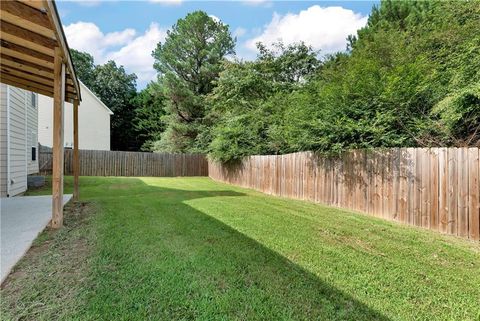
pixel 188 62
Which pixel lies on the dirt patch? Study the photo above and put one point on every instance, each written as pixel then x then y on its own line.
pixel 45 284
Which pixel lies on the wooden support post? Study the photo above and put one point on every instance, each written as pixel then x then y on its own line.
pixel 58 147
pixel 76 161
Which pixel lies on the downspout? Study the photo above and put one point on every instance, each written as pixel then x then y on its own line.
pixel 8 141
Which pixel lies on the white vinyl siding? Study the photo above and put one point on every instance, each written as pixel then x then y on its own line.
pixel 3 140
pixel 16 136
pixel 17 160
pixel 93 122
pixel 32 132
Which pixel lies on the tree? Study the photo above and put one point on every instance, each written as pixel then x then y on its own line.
pixel 117 89
pixel 288 64
pixel 250 101
pixel 149 112
pixel 84 67
pixel 188 62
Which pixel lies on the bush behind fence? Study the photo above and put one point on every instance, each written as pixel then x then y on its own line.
pixel 435 188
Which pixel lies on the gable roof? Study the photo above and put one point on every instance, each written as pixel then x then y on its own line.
pixel 96 98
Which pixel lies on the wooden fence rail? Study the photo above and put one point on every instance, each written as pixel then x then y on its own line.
pixel 435 188
pixel 116 163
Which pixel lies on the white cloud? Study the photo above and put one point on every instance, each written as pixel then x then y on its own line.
pixel 239 32
pixel 86 36
pixel 125 47
pixel 325 29
pixel 136 56
pixel 119 37
pixel 168 2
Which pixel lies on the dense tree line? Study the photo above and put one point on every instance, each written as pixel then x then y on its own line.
pixel 411 77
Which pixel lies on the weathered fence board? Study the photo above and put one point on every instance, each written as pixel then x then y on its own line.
pixel 116 163
pixel 434 188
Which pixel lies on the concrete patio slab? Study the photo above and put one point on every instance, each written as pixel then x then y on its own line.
pixel 22 219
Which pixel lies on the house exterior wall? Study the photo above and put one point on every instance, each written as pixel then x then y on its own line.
pixel 3 140
pixel 18 134
pixel 93 122
pixel 32 133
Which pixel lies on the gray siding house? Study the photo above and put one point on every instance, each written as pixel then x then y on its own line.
pixel 18 139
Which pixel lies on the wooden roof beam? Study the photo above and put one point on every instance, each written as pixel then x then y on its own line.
pixel 32 68
pixel 28 84
pixel 22 23
pixel 31 85
pixel 28 76
pixel 26 54
pixel 46 89
pixel 24 11
pixel 26 17
pixel 15 72
pixel 26 38
pixel 27 66
pixel 36 4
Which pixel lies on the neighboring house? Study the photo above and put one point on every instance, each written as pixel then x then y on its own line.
pixel 93 122
pixel 18 139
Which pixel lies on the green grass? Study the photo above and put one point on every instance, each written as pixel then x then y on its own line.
pixel 192 248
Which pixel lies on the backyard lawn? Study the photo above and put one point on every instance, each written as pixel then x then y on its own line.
pixel 192 248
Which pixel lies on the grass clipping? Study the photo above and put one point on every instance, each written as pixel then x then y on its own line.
pixel 47 281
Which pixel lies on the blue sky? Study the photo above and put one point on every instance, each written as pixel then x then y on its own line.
pixel 127 31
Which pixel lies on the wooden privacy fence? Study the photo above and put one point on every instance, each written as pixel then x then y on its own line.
pixel 435 188
pixel 116 163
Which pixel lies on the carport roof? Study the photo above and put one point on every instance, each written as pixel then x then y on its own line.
pixel 29 32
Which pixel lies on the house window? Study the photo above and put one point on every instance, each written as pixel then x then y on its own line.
pixel 34 100
pixel 34 146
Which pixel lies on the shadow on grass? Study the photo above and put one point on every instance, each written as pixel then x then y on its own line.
pixel 157 257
